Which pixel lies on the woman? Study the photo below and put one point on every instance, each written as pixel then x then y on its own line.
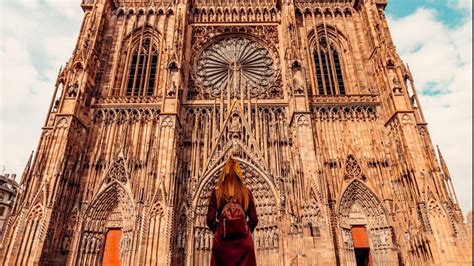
pixel 239 251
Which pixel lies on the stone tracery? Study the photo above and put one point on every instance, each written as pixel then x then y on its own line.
pixel 360 206
pixel 262 39
pixel 237 66
pixel 352 169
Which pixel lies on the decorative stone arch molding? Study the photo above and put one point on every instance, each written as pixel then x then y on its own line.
pixel 34 219
pixel 311 7
pixel 35 224
pixel 144 31
pixel 332 33
pixel 112 207
pixel 156 234
pixel 353 170
pixel 236 139
pixel 211 177
pixel 116 172
pixel 442 229
pixel 360 206
pixel 268 203
pixel 312 215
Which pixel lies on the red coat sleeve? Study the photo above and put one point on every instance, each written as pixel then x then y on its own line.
pixel 252 213
pixel 211 219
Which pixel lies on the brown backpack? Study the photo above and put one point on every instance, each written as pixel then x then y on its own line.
pixel 233 220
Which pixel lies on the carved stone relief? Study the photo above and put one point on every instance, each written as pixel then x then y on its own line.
pixel 237 65
pixel 255 55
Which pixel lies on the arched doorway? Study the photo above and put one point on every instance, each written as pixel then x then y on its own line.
pixel 367 237
pixel 107 230
pixel 266 235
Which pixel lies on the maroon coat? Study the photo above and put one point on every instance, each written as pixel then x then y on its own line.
pixel 231 252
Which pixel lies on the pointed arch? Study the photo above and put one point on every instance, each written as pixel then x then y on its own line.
pixel 111 196
pixel 435 209
pixel 142 48
pixel 311 215
pixel 390 63
pixel 117 171
pixel 360 206
pixel 159 196
pixel 352 169
pixel 442 229
pixel 110 208
pixel 142 69
pixel 357 191
pixel 235 138
pixel 333 34
pixel 211 177
pixel 34 224
pixel 328 44
pixel 267 201
pixel 155 236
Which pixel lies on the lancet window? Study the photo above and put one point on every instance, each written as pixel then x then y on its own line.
pixel 142 69
pixel 329 77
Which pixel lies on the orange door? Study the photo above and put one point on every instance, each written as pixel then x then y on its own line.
pixel 360 237
pixel 361 246
pixel 111 250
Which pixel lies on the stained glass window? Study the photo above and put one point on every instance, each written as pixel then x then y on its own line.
pixel 142 71
pixel 328 69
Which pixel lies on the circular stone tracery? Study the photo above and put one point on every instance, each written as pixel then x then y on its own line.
pixel 237 65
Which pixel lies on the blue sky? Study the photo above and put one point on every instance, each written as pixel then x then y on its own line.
pixel 452 14
pixel 433 36
pixel 447 11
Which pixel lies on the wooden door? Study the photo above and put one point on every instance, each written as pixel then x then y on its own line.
pixel 360 239
pixel 111 250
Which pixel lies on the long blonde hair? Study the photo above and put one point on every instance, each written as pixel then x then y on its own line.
pixel 231 184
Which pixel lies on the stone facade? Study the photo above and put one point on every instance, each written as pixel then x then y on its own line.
pixel 8 191
pixel 312 99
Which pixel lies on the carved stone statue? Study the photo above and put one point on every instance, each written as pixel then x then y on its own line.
pixel 72 90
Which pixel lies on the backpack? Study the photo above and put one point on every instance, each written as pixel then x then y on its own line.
pixel 233 220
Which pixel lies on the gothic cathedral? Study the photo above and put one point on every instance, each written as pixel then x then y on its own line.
pixel 310 96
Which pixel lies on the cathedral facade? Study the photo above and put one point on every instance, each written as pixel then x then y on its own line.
pixel 310 96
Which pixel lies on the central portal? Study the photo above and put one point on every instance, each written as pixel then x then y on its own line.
pixel 265 236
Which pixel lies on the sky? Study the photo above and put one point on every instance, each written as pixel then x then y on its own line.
pixel 434 37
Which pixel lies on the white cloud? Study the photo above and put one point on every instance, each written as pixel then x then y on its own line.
pixel 59 49
pixel 33 45
pixel 68 8
pixel 441 57
pixel 24 100
pixel 462 4
pixel 28 3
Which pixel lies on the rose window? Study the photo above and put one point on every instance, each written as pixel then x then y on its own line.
pixel 237 66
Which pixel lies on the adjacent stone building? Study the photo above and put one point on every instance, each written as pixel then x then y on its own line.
pixel 310 96
pixel 8 190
